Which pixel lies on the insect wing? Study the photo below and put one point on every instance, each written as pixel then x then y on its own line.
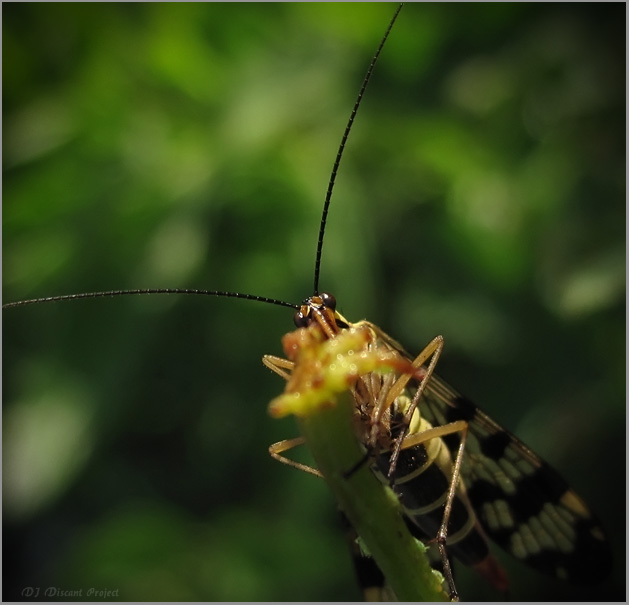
pixel 523 504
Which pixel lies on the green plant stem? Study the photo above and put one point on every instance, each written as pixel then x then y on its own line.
pixel 371 507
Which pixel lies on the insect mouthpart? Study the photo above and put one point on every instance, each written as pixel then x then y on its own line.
pixel 321 309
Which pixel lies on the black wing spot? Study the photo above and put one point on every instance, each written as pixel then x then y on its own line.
pixel 461 408
pixel 494 446
pixel 533 492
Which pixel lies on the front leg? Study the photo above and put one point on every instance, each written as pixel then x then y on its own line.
pixel 279 365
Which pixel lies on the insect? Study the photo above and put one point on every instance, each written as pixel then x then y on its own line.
pixel 519 501
pixel 83 340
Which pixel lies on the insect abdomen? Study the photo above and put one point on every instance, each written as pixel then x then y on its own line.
pixel 422 485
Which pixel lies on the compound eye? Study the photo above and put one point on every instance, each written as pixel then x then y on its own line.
pixel 328 300
pixel 301 321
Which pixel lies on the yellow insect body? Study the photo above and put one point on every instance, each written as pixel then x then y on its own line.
pixel 324 368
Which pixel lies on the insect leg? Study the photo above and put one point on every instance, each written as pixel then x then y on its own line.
pixel 460 426
pixel 278 365
pixel 276 449
pixel 432 351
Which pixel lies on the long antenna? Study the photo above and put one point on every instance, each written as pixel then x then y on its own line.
pixel 263 299
pixel 218 293
pixel 339 153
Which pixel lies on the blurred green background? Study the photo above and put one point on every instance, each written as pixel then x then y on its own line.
pixel 482 197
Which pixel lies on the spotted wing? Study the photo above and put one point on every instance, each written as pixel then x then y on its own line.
pixel 523 504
